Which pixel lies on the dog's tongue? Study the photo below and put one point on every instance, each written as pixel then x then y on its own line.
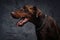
pixel 21 22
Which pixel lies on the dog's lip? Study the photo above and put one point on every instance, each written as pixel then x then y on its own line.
pixel 22 21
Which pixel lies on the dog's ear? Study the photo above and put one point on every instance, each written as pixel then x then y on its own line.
pixel 37 11
pixel 35 8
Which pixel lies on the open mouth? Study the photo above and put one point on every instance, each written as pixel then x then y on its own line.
pixel 22 21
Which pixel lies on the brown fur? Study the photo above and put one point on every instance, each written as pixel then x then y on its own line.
pixel 46 27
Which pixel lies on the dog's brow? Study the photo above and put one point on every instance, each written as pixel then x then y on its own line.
pixel 24 7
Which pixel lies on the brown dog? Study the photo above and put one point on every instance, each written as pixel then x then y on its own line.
pixel 46 28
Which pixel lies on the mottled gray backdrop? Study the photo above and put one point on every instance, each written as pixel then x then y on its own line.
pixel 8 29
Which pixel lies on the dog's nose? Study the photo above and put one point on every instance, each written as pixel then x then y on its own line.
pixel 12 12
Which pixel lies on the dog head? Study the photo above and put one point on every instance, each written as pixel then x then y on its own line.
pixel 26 13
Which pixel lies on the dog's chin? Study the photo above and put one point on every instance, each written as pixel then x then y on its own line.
pixel 22 21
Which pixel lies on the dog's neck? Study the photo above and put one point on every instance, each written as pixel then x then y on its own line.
pixel 37 21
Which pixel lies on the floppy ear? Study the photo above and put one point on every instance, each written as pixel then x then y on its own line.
pixel 37 11
pixel 35 8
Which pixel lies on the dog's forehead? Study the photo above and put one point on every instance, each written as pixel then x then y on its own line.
pixel 28 6
pixel 18 10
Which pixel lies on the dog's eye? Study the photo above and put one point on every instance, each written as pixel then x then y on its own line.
pixel 31 8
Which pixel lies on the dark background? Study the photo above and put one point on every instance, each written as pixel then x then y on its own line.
pixel 8 29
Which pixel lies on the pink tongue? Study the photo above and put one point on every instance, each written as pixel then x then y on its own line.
pixel 21 22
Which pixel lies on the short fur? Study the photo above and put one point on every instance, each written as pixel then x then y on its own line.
pixel 46 27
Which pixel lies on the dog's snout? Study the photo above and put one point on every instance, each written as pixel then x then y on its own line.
pixel 14 15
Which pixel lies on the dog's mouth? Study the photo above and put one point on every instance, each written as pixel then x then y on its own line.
pixel 22 21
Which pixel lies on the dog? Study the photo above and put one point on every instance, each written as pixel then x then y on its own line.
pixel 46 27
